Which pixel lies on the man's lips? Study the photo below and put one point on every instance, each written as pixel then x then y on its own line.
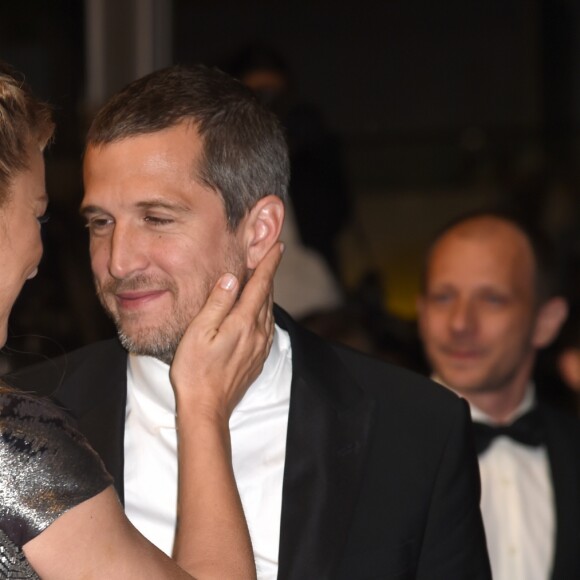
pixel 462 354
pixel 131 300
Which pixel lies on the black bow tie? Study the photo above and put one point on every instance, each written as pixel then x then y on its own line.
pixel 527 429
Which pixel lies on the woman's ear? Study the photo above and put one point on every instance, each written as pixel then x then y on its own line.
pixel 262 228
pixel 549 320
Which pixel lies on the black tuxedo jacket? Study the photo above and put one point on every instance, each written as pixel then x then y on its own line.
pixel 380 479
pixel 563 445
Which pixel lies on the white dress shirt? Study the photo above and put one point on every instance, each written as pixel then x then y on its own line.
pixel 517 504
pixel 258 429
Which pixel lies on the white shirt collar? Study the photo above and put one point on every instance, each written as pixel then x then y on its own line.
pixel 156 398
pixel 479 416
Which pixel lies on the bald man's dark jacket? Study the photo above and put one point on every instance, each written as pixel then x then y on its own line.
pixel 380 479
pixel 562 432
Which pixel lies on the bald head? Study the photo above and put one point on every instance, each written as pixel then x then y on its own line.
pixel 499 245
pixel 489 222
pixel 480 316
pixel 486 227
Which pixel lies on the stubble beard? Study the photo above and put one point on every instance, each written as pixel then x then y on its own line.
pixel 160 343
pixel 156 340
pixel 159 340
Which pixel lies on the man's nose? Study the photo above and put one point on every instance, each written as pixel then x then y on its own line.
pixel 127 252
pixel 463 318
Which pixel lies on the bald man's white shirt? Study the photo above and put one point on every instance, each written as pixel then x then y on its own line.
pixel 517 503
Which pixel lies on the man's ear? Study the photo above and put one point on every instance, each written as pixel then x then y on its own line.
pixel 549 320
pixel 569 367
pixel 262 228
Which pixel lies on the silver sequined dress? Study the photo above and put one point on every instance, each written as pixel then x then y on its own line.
pixel 46 468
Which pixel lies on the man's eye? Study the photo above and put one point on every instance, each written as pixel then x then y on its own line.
pixel 440 298
pixel 157 221
pixel 43 218
pixel 98 223
pixel 494 299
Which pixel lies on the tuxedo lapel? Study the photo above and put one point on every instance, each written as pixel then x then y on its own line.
pixel 563 446
pixel 328 433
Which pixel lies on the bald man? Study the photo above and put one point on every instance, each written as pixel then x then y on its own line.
pixel 487 306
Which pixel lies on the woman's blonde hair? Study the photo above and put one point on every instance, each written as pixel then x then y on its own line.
pixel 24 120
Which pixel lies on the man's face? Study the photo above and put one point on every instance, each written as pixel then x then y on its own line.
pixel 158 237
pixel 477 316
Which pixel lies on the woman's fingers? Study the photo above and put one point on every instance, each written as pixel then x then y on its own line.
pixel 218 305
pixel 259 286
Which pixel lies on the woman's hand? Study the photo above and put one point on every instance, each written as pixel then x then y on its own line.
pixel 224 348
pixel 220 355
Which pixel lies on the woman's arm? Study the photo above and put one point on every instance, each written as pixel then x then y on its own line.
pixel 234 337
pixel 94 540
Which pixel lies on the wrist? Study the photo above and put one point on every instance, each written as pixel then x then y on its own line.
pixel 202 413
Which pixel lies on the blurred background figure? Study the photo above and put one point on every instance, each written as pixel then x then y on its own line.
pixel 318 185
pixel 304 284
pixel 491 300
pixel 308 281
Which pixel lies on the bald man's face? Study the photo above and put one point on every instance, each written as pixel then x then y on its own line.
pixel 477 315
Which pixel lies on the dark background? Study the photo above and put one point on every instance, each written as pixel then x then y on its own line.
pixel 439 107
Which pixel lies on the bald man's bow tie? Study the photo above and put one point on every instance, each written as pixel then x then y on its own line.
pixel 528 430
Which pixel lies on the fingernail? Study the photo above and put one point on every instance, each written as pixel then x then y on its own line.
pixel 228 281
